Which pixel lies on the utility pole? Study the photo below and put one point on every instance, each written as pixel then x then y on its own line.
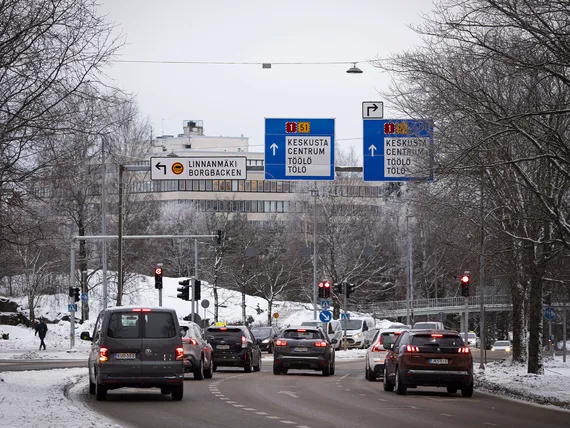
pixel 483 339
pixel 564 331
pixel 195 276
pixel 345 291
pixel 104 222
pixel 315 193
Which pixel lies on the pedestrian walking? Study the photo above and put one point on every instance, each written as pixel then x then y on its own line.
pixel 41 330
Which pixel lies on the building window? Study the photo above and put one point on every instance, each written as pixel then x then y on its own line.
pixel 286 186
pixel 208 185
pixel 260 185
pixel 248 186
pixel 234 185
pixel 228 185
pixel 215 185
pixel 241 183
pixel 254 186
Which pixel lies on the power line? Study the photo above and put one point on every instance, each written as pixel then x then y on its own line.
pixel 136 61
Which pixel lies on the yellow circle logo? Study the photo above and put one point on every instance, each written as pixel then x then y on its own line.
pixel 177 168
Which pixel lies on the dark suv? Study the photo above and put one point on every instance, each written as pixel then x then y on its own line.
pixel 234 346
pixel 266 336
pixel 429 358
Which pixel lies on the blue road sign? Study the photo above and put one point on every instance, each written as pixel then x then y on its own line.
pixel 325 304
pixel 84 297
pixel 345 316
pixel 299 149
pixel 549 313
pixel 72 307
pixel 325 316
pixel 397 150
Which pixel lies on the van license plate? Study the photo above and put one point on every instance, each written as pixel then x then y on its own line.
pixel 438 361
pixel 222 346
pixel 301 349
pixel 125 356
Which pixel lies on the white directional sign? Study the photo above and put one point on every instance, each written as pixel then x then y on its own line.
pixel 372 110
pixel 199 168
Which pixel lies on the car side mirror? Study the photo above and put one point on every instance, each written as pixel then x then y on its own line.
pixel 209 338
pixel 334 341
pixel 85 336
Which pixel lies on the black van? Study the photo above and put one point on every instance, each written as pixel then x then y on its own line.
pixel 136 347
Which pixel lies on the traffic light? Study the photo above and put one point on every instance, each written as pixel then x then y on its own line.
pixel 321 290
pixel 76 294
pixel 71 292
pixel 349 289
pixel 465 281
pixel 219 237
pixel 197 289
pixel 158 278
pixel 326 289
pixel 338 289
pixel 184 291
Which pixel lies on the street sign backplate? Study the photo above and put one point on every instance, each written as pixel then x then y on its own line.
pixel 549 313
pixel 397 150
pixel 325 316
pixel 199 168
pixel 372 110
pixel 299 149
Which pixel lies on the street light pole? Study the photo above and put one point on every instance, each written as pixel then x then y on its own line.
pixel 103 222
pixel 315 193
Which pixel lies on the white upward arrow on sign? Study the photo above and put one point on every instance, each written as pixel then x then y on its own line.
pixel 372 148
pixel 274 147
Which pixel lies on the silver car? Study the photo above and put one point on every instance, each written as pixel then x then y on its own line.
pixel 136 347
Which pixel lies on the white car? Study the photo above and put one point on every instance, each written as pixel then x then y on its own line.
pixel 376 353
pixel 472 339
pixel 502 345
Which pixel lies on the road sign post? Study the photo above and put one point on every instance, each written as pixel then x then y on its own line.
pixel 299 149
pixel 397 150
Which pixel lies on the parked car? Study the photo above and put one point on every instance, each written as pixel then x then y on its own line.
pixel 136 347
pixel 234 346
pixel 376 353
pixel 333 329
pixel 502 345
pixel 429 358
pixel 198 353
pixel 267 336
pixel 429 325
pixel 355 330
pixel 305 348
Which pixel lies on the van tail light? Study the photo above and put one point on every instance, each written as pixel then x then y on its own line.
pixel 244 342
pixel 103 354
pixel 280 342
pixel 412 348
pixel 464 350
pixel 321 344
pixel 179 353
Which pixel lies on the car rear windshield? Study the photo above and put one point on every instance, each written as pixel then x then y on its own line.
pixel 264 331
pixel 425 325
pixel 446 341
pixel 387 338
pixel 300 334
pixel 228 333
pixel 502 344
pixel 125 325
pixel 351 324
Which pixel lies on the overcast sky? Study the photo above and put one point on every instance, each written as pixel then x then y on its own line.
pixel 234 99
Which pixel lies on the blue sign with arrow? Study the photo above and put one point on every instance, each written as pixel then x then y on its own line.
pixel 84 297
pixel 299 149
pixel 550 313
pixel 325 316
pixel 397 150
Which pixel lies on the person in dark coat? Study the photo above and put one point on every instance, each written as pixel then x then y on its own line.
pixel 42 329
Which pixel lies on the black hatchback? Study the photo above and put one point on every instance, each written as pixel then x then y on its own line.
pixel 234 346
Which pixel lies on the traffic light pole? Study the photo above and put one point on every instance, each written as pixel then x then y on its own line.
pixel 195 276
pixel 466 327
pixel 71 286
pixel 345 292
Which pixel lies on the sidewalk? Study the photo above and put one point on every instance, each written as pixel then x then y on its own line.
pixel 512 380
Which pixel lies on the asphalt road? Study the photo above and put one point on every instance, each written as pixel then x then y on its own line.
pixel 21 365
pixel 308 400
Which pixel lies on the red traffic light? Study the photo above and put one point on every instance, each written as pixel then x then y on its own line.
pixel 158 271
pixel 327 284
pixel 321 285
pixel 465 279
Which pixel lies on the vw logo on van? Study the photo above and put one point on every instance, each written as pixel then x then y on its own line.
pixel 148 352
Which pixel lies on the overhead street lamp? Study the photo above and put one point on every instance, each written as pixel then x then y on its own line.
pixel 354 69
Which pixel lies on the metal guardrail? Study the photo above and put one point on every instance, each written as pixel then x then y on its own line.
pixel 446 302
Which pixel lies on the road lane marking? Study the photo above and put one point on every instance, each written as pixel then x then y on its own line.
pixel 231 402
pixel 250 409
pixel 239 405
pixel 272 417
pixel 288 422
pixel 340 386
pixel 347 390
pixel 302 426
pixel 362 395
pixel 344 377
pixel 224 398
pixel 446 414
pixel 261 413
pixel 490 423
pixel 381 399
pixel 289 393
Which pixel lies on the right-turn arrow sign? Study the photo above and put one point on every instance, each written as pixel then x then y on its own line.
pixel 372 110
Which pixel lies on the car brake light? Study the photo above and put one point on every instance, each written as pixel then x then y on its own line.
pixel 179 353
pixel 437 335
pixel 192 341
pixel 280 342
pixel 301 329
pixel 321 344
pixel 103 354
pixel 412 348
pixel 146 310
pixel 243 342
pixel 378 347
pixel 464 350
pixel 223 328
pixel 136 310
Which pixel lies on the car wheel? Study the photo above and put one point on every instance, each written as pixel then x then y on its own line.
pixel 327 370
pixel 258 366
pixel 276 370
pixel 215 366
pixel 386 383
pixel 210 372
pixel 199 372
pixel 401 388
pixel 92 388
pixel 247 366
pixel 270 349
pixel 333 368
pixel 452 389
pixel 100 392
pixel 467 391
pixel 177 392
pixel 164 391
pixel 366 373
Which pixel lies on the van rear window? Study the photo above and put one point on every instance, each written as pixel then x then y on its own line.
pixel 159 325
pixel 124 325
